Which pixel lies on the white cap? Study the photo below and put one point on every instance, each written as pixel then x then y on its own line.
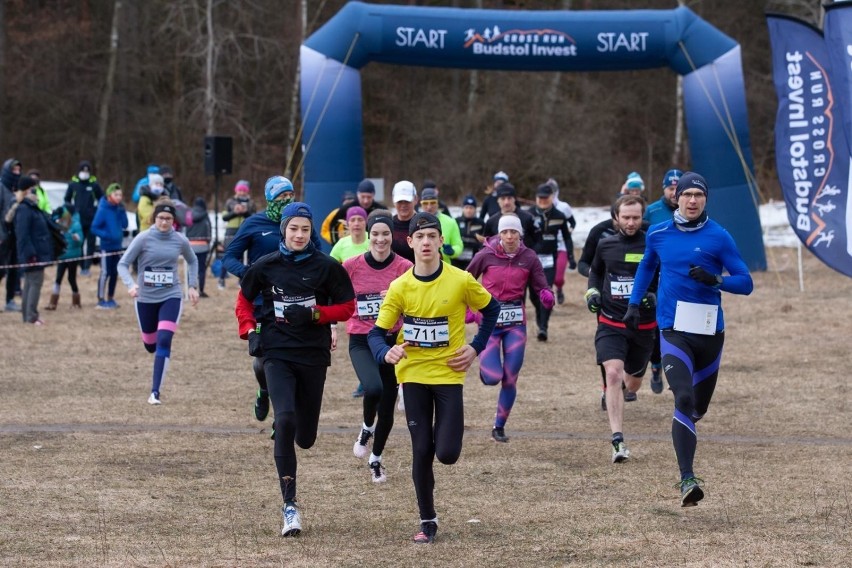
pixel 404 191
pixel 510 221
pixel 501 175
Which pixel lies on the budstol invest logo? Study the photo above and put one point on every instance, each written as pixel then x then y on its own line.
pixel 519 42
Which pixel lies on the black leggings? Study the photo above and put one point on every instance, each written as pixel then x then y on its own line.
pixel 61 268
pixel 692 363
pixel 445 405
pixel 296 394
pixel 542 315
pixel 379 382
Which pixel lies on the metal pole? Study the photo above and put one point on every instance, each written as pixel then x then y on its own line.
pixel 217 179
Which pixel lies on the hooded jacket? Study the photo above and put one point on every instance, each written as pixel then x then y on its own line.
pixel 33 234
pixel 8 181
pixel 109 224
pixel 84 195
pixel 506 277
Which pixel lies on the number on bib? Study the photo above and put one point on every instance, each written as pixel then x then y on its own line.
pixel 426 332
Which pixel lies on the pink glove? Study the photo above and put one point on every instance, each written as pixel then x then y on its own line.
pixel 476 317
pixel 547 300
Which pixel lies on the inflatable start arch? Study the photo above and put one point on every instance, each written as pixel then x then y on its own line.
pixel 714 92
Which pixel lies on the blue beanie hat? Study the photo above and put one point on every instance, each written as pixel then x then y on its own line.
pixel 692 180
pixel 295 209
pixel 275 186
pixel 366 186
pixel 672 177
pixel 469 200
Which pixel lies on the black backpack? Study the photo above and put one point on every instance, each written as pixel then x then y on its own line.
pixel 57 236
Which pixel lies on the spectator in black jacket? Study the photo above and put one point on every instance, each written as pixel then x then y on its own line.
pixel 84 192
pixel 172 189
pixel 35 245
pixel 8 254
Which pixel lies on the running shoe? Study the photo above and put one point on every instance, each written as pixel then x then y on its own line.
pixel 603 401
pixel 361 447
pixel 12 306
pixel 656 379
pixel 427 532
pixel 630 396
pixel 85 272
pixel 102 305
pixel 690 491
pixel 498 434
pixel 292 520
pixel 542 335
pixel 358 392
pixel 154 398
pixel 203 295
pixel 377 472
pixel 620 453
pixel 221 284
pixel 560 297
pixel 261 405
pixel 112 304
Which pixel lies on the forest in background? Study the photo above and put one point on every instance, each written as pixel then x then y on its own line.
pixel 125 83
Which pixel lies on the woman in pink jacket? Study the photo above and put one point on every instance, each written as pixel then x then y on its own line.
pixel 506 267
pixel 371 274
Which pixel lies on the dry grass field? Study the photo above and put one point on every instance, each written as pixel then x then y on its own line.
pixel 91 475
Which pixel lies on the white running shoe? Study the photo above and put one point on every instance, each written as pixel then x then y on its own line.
pixel 377 472
pixel 154 398
pixel 620 453
pixel 292 520
pixel 361 448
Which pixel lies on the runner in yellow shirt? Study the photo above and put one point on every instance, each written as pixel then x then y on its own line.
pixel 431 355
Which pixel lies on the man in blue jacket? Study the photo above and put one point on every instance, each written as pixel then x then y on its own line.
pixel 661 211
pixel 691 251
pixel 258 236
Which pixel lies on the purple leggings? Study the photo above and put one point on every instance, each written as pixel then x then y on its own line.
pixel 158 323
pixel 492 371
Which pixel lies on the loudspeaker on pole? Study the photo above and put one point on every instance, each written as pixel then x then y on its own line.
pixel 218 155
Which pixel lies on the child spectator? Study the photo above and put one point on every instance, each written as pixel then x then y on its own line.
pixel 199 235
pixel 69 219
pixel 109 224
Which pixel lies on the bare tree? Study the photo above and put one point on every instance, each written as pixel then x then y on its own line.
pixel 109 86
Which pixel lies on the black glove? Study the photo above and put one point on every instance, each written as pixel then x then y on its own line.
pixel 447 250
pixel 649 301
pixel 700 275
pixel 255 348
pixel 631 318
pixel 298 315
pixel 593 300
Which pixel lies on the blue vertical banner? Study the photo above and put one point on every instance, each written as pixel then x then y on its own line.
pixel 811 148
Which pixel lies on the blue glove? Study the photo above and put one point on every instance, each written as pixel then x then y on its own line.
pixel 447 250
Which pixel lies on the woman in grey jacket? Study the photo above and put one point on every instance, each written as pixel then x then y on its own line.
pixel 157 290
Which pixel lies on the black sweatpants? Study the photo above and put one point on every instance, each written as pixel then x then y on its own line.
pixel 296 394
pixel 379 382
pixel 435 415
